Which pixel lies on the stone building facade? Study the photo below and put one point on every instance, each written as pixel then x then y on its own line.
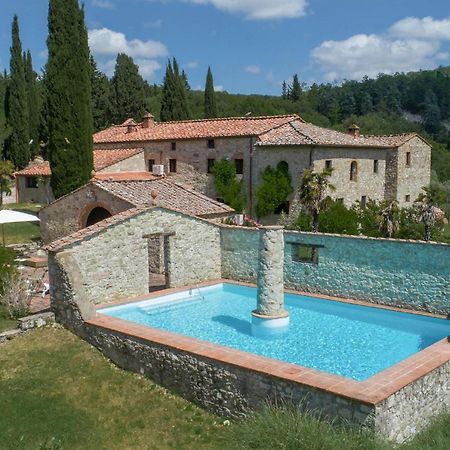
pixel 364 167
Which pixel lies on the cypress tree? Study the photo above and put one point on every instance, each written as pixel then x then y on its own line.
pixel 174 101
pixel 210 96
pixel 18 148
pixel 296 90
pixel 284 90
pixel 68 97
pixel 102 105
pixel 128 90
pixel 33 104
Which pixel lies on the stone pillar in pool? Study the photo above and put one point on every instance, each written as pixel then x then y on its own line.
pixel 270 317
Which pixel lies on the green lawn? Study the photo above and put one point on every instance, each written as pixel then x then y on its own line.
pixel 26 232
pixel 57 392
pixel 5 322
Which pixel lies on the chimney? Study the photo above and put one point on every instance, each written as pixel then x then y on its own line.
pixel 354 130
pixel 148 120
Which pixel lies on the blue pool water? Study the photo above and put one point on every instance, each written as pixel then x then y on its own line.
pixel 344 339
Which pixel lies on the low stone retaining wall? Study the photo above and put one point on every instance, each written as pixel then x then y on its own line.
pixel 396 403
pixel 28 323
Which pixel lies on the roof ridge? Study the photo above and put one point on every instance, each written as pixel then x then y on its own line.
pixel 218 119
pixel 313 142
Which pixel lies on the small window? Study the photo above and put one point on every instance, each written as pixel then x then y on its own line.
pixel 375 166
pixel 340 200
pixel 354 171
pixel 31 182
pixel 172 165
pixel 407 198
pixel 173 145
pixel 408 159
pixel 211 143
pixel 211 162
pixel 328 164
pixel 363 201
pixel 305 253
pixel 283 207
pixel 239 166
pixel 151 163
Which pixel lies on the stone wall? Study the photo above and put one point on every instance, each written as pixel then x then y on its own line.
pixel 414 275
pixel 114 263
pixel 410 410
pixel 67 215
pixel 135 163
pixel 221 388
pixel 411 179
pixel 41 194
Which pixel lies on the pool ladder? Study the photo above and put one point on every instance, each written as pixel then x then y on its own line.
pixel 191 292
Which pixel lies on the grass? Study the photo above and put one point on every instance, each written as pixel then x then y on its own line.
pixel 22 233
pixel 57 392
pixel 5 322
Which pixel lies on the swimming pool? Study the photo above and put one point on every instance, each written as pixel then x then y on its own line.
pixel 345 339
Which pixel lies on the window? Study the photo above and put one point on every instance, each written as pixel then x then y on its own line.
pixel 407 198
pixel 211 143
pixel 363 201
pixel 340 199
pixel 151 163
pixel 283 207
pixel 31 182
pixel 375 166
pixel 172 165
pixel 173 145
pixel 354 171
pixel 211 164
pixel 239 166
pixel 305 253
pixel 328 164
pixel 408 159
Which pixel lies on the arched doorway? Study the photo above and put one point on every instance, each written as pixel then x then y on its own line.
pixel 96 215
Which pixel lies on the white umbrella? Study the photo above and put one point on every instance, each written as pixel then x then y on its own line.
pixel 10 216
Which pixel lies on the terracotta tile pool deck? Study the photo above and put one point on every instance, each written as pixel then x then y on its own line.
pixel 371 391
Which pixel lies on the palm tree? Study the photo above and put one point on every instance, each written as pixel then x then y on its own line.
pixel 388 218
pixel 312 193
pixel 427 211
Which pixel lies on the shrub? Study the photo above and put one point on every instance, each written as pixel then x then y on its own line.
pixel 16 295
pixel 337 218
pixel 227 185
pixel 7 266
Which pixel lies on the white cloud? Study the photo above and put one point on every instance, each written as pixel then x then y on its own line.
pixel 253 69
pixel 425 28
pixel 257 9
pixel 218 88
pixel 105 4
pixel 104 41
pixel 148 67
pixel 410 44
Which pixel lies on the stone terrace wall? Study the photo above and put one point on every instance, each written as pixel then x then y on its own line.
pixel 114 263
pixel 412 275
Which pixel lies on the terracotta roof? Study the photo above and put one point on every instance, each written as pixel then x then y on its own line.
pixel 193 129
pixel 301 133
pixel 169 194
pixel 124 176
pixel 102 160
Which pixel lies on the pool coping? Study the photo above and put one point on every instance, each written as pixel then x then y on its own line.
pixel 371 391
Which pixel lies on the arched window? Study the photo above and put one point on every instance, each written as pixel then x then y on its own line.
pixel 354 171
pixel 96 215
pixel 283 166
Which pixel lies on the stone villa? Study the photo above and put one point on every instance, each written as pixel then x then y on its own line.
pixel 375 167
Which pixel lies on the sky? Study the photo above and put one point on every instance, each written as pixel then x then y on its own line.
pixel 251 45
